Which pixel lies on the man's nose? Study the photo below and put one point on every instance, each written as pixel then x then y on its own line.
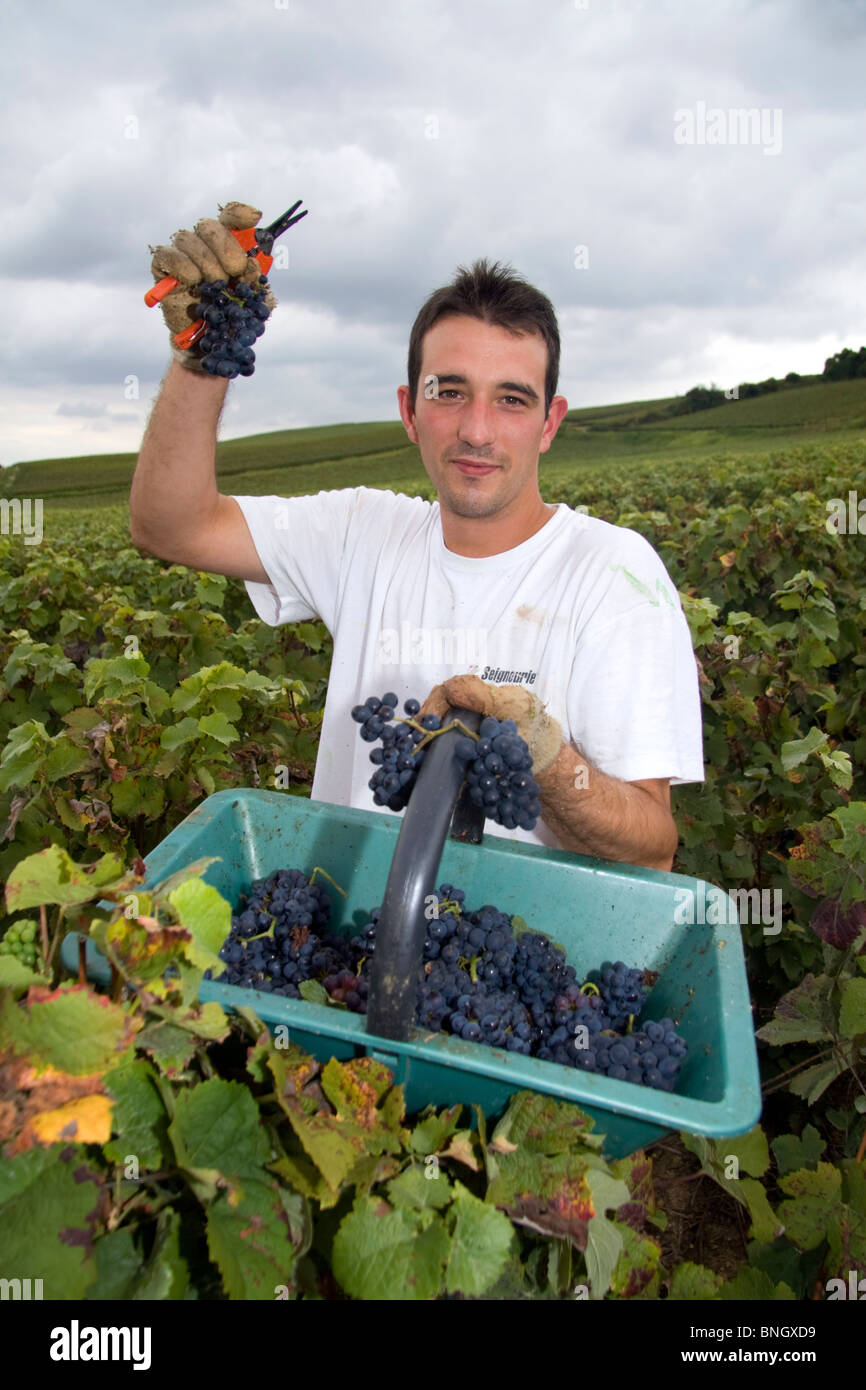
pixel 476 423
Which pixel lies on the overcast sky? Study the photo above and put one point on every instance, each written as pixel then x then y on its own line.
pixel 420 136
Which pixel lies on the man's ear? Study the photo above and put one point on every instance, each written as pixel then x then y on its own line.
pixel 407 413
pixel 558 407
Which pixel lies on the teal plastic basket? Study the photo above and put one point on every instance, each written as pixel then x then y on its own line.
pixel 598 911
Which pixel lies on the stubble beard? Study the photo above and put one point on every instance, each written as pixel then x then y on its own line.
pixel 472 500
pixel 470 506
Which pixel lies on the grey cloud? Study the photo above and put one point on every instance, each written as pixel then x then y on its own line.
pixel 81 410
pixel 555 129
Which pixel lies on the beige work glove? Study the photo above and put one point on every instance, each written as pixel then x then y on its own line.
pixel 210 252
pixel 540 731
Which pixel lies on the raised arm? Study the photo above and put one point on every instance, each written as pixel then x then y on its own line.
pixel 175 508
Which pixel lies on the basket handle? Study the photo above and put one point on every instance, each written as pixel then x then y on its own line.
pixel 401 928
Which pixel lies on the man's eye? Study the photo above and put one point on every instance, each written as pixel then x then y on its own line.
pixel 514 398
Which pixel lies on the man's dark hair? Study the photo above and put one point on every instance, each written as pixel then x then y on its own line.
pixel 495 294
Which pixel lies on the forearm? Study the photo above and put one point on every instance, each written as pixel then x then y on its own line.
pixel 592 813
pixel 174 486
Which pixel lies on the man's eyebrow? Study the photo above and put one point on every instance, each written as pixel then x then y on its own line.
pixel 455 379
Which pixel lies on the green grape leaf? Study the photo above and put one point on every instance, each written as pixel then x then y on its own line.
pixel 692 1282
pixel 754 1285
pixel 852 1014
pixel 113 674
pixel 251 1240
pixel 51 876
pixel 851 820
pixel 22 757
pixel 813 1082
pixel 139 1121
pixel 118 1263
pixel 18 977
pixel 217 1136
pixel 207 916
pixel 414 1188
pixel 122 1273
pixel 792 1153
pixel 210 590
pixel 218 726
pixel 71 1029
pixel 766 1225
pixel 544 1125
pixel 604 1241
pixel 481 1239
pixel 385 1254
pixel 636 1273
pixel 64 760
pixel 369 1111
pixel 171 1047
pixel 796 751
pixel 314 992
pixel 814 1204
pixel 48 1227
pixel 802 1015
pixel 838 764
pixel 749 1151
pixel 137 796
pixel 434 1130
pixel 174 736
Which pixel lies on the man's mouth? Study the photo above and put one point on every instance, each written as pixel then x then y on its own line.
pixel 471 469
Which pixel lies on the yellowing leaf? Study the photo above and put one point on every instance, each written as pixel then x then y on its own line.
pixel 85 1121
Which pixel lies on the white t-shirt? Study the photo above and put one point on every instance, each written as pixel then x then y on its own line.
pixel 583 613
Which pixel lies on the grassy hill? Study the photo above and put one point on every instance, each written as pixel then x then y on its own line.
pixel 279 449
pixel 378 454
pixel 834 405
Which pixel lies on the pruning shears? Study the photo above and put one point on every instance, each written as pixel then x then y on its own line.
pixel 256 241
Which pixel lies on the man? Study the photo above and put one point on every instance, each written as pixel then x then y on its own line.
pixel 488 598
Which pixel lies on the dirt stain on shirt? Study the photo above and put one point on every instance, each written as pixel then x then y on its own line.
pixel 529 614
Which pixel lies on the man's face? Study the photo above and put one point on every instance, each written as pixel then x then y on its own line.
pixel 480 423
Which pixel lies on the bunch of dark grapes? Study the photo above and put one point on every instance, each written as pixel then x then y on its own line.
pixel 650 1057
pixel 497 765
pixel 346 987
pixel 479 980
pixel 278 939
pixel 234 313
pixel 483 983
pixel 623 995
pixel 399 760
pixel 499 774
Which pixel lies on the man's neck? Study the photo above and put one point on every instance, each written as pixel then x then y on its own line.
pixel 479 537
